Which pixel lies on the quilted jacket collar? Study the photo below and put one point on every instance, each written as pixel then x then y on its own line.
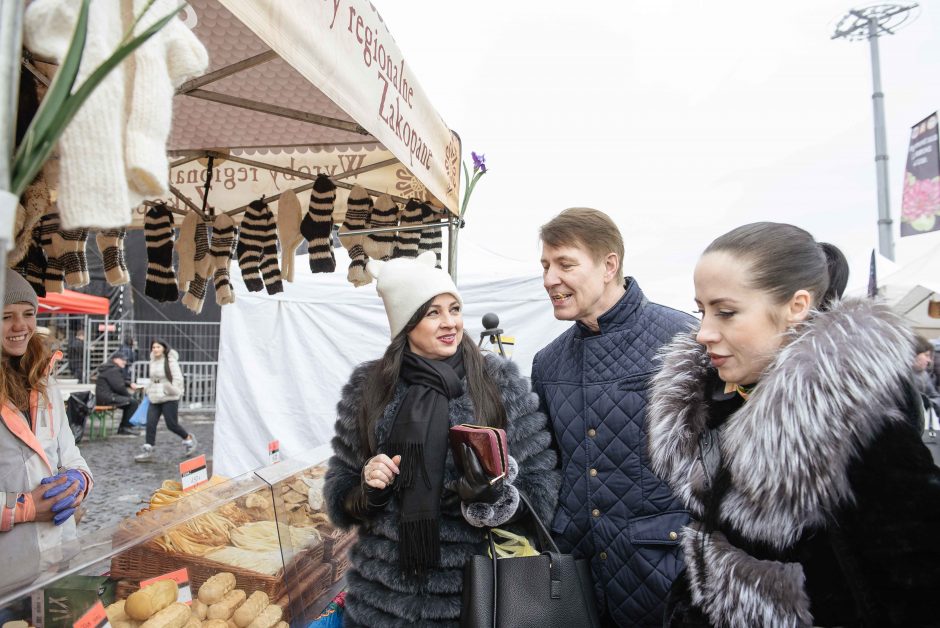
pixel 621 314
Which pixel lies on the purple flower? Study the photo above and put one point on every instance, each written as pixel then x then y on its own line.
pixel 479 162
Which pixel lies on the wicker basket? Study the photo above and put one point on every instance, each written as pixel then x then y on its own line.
pixel 150 560
pixel 336 544
pixel 340 565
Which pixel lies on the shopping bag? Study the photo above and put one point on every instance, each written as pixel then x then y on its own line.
pixel 140 417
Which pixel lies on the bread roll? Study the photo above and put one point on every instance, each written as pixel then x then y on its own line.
pixel 226 607
pixel 215 588
pixel 200 609
pixel 247 612
pixel 115 612
pixel 215 623
pixel 176 615
pixel 144 604
pixel 194 622
pixel 268 617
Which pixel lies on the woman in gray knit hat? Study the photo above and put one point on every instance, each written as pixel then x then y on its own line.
pixel 38 498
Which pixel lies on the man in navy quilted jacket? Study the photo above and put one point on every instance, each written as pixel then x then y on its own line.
pixel 593 383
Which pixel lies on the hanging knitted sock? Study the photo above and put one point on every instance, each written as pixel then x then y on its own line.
pixel 202 268
pixel 257 249
pixel 36 202
pixel 317 225
pixel 384 214
pixel 70 245
pixel 406 244
pixel 222 247
pixel 54 278
pixel 430 239
pixel 33 265
pixel 186 250
pixel 111 245
pixel 288 231
pixel 358 207
pixel 158 232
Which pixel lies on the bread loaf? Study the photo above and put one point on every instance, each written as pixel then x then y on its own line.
pixel 194 622
pixel 247 612
pixel 150 600
pixel 215 588
pixel 226 607
pixel 124 623
pixel 115 612
pixel 200 609
pixel 215 623
pixel 176 615
pixel 268 617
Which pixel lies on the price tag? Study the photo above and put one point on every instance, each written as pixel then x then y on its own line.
pixel 193 472
pixel 274 451
pixel 181 578
pixel 94 617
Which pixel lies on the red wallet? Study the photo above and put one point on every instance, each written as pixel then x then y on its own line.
pixel 488 443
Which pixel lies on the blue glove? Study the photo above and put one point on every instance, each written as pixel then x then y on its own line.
pixel 73 475
pixel 61 518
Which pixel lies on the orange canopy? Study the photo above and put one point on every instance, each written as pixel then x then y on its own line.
pixel 69 302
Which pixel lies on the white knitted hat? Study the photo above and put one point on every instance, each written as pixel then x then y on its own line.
pixel 405 284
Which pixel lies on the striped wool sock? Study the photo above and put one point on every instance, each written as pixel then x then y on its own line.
pixel 111 245
pixel 222 247
pixel 54 278
pixel 289 218
pixel 384 214
pixel 406 244
pixel 32 266
pixel 70 249
pixel 317 225
pixel 358 207
pixel 158 232
pixel 186 249
pixel 430 239
pixel 36 203
pixel 195 296
pixel 257 249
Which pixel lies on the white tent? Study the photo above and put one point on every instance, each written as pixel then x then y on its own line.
pixel 284 359
pixel 910 288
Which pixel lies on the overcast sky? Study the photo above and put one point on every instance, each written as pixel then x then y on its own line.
pixel 680 119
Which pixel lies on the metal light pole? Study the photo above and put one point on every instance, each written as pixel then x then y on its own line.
pixel 871 23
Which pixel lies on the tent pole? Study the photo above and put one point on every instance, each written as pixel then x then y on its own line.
pixel 11 42
pixel 452 231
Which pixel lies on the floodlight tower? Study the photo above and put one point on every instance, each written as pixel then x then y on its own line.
pixel 871 23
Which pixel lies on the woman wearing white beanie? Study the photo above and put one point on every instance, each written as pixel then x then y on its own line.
pixel 419 519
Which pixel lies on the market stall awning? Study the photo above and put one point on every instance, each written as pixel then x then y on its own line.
pixel 305 87
pixel 70 302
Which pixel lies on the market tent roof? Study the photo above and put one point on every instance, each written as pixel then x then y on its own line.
pixel 70 302
pixel 311 78
pixel 910 289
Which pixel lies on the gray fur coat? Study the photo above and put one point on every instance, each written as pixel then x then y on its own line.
pixel 378 594
pixel 828 491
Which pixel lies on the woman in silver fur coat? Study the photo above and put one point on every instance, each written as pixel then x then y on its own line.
pixel 784 424
pixel 392 475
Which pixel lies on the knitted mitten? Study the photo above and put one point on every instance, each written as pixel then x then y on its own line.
pixel 186 249
pixel 288 231
pixel 384 214
pixel 257 249
pixel 357 213
pixel 70 247
pixel 430 239
pixel 54 279
pixel 406 245
pixel 222 247
pixel 317 226
pixel 158 232
pixel 111 245
pixel 202 267
pixel 32 266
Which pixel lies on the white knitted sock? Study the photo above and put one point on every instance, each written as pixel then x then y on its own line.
pixel 358 207
pixel 111 245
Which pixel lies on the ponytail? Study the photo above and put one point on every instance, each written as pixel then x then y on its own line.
pixel 838 268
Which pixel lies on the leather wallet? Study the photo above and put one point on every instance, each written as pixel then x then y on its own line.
pixel 488 443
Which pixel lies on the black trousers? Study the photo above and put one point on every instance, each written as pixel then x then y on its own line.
pixel 129 406
pixel 170 412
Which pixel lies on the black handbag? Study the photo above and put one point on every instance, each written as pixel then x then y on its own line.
pixel 545 591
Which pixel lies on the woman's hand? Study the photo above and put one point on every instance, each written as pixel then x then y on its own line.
pixel 62 504
pixel 474 484
pixel 380 471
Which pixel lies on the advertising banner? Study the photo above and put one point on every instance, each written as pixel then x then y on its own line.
pixel 920 204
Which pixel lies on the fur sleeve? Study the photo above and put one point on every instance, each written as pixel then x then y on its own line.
pixel 529 438
pixel 345 467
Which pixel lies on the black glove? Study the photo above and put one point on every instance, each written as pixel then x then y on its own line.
pixel 364 501
pixel 474 485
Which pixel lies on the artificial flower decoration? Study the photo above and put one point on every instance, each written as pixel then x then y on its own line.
pixel 479 169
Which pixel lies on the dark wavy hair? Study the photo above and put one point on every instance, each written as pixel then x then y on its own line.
pixel 383 375
pixel 166 357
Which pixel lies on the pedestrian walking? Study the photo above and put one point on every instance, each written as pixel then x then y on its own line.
pixel 164 391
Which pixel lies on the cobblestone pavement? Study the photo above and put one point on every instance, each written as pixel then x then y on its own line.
pixel 122 485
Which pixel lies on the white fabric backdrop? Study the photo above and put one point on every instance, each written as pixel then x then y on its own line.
pixel 284 359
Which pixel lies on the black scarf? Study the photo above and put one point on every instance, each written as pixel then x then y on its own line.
pixel 419 434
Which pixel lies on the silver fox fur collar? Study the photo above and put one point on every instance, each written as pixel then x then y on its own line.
pixel 838 380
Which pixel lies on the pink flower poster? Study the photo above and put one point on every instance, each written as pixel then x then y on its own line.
pixel 920 203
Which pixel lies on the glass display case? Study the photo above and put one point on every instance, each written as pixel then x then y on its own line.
pixel 267 528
